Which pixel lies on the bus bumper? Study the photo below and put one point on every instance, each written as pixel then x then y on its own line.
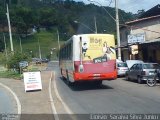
pixel 91 76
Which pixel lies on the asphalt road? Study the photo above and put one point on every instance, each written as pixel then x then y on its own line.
pixel 118 96
pixel 7 102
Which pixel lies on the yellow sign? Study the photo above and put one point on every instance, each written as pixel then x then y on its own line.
pixel 134 49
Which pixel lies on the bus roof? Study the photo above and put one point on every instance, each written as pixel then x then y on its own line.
pixel 84 35
pixel 93 35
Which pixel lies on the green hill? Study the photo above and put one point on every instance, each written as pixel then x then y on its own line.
pixel 61 15
pixel 44 40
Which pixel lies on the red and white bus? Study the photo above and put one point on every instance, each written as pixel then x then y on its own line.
pixel 88 57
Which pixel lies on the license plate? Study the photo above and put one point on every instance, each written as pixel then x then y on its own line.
pixel 97 77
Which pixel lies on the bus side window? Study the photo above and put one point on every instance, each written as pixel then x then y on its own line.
pixel 69 51
pixel 65 53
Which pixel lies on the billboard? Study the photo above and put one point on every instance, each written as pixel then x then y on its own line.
pixel 136 38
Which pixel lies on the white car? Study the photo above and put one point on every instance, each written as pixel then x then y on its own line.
pixel 122 68
pixel 130 63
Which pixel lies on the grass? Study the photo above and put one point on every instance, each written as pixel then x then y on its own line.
pixel 10 74
pixel 45 39
pixel 17 75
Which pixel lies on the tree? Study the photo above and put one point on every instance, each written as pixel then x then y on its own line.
pixel 1 44
pixel 47 17
pixel 23 19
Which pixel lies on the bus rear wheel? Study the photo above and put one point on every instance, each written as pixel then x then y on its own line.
pixel 98 82
pixel 69 83
pixel 62 75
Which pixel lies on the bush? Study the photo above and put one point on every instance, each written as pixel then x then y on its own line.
pixel 13 61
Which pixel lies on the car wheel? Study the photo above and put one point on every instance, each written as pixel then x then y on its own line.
pixel 139 80
pixel 151 81
pixel 127 77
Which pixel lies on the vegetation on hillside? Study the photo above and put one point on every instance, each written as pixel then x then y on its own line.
pixel 53 15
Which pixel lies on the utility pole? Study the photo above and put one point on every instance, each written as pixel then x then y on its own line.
pixel 40 56
pixel 10 33
pixel 20 43
pixel 5 46
pixel 117 26
pixel 95 24
pixel 58 39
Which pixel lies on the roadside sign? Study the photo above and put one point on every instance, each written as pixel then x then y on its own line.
pixel 136 38
pixel 32 81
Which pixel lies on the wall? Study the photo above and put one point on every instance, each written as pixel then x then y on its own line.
pixel 145 26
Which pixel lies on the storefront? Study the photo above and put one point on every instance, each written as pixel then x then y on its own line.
pixel 150 51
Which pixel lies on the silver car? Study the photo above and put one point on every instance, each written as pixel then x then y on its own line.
pixel 140 71
pixel 122 68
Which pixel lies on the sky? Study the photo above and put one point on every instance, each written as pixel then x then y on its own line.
pixel 127 5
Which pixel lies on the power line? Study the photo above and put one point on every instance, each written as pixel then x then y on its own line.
pixel 121 16
pixel 104 9
pixel 110 3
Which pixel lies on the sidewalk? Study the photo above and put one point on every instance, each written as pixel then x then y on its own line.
pixel 35 105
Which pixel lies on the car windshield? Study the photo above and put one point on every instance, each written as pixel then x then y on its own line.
pixel 122 65
pixel 151 66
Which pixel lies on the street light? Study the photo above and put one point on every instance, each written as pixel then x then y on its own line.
pixel 84 25
pixel 52 50
pixel 39 47
pixel 58 39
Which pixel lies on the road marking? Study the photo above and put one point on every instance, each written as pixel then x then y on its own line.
pixel 15 97
pixel 52 102
pixel 59 97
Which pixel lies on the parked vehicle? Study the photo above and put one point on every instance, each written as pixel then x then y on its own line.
pixel 152 80
pixel 122 68
pixel 37 60
pixel 130 63
pixel 141 71
pixel 44 60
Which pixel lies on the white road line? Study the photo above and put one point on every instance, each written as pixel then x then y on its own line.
pixel 15 97
pixel 59 97
pixel 52 102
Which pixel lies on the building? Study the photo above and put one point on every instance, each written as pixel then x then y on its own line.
pixel 144 34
